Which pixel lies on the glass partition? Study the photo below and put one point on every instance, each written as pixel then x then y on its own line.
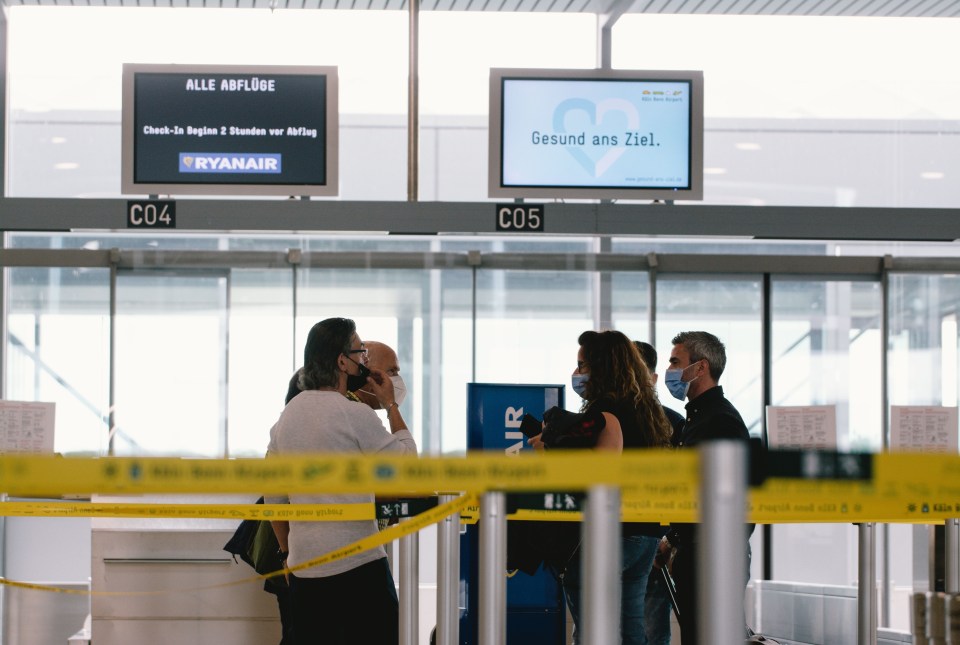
pixel 730 308
pixel 827 350
pixel 58 349
pixel 202 357
pixel 262 356
pixel 393 306
pixel 528 324
pixel 171 364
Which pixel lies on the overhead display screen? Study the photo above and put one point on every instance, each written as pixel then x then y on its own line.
pixel 229 130
pixel 596 134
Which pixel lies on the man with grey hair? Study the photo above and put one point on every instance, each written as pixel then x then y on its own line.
pixel 697 360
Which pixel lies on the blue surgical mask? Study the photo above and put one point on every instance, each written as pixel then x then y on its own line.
pixel 579 383
pixel 673 379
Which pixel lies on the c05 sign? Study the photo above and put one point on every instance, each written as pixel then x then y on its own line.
pixel 520 217
pixel 152 214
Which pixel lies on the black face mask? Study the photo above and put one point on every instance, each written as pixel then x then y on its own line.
pixel 357 381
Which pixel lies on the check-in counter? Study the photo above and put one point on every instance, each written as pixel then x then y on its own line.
pixel 161 581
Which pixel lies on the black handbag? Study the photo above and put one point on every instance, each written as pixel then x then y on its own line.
pixel 255 543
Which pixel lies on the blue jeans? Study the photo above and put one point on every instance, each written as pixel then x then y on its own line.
pixel 657 610
pixel 638 552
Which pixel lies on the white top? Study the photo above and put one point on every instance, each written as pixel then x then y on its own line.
pixel 321 421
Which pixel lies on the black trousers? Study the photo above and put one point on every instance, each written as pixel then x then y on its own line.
pixel 685 576
pixel 285 605
pixel 357 606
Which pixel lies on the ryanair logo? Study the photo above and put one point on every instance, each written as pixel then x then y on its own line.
pixel 231 162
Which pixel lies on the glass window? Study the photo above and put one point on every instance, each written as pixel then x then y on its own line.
pixel 58 349
pixel 923 369
pixel 895 106
pixel 630 303
pixel 729 309
pixel 826 350
pixel 797 127
pixel 393 306
pixel 528 324
pixel 171 363
pixel 262 356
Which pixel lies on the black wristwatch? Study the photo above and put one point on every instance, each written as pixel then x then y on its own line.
pixel 283 555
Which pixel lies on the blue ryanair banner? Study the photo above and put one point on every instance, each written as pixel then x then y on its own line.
pixel 495 413
pixel 536 612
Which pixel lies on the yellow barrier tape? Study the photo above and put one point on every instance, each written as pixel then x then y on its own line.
pixel 906 487
pixel 652 472
pixel 657 486
pixel 275 512
pixel 391 533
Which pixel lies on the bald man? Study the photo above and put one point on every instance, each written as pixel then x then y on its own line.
pixel 382 357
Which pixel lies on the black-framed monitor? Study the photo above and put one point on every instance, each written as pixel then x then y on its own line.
pixel 230 130
pixel 596 134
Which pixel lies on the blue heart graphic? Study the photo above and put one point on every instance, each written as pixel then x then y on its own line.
pixel 595 113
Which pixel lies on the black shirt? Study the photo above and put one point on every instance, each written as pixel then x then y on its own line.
pixel 676 422
pixel 634 436
pixel 710 417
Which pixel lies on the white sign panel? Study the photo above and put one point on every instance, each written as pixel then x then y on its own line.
pixel 26 427
pixel 811 427
pixel 923 428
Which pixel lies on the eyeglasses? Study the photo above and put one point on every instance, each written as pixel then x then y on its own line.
pixel 362 351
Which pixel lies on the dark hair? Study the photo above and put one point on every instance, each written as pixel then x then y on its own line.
pixel 293 387
pixel 326 341
pixel 702 345
pixel 618 373
pixel 648 353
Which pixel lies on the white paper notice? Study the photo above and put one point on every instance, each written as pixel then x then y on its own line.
pixel 923 428
pixel 26 427
pixel 811 427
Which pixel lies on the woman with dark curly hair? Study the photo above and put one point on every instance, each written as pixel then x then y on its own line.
pixel 613 380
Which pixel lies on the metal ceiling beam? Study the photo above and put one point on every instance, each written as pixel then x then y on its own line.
pixel 605 22
pixel 438 218
pixel 861 8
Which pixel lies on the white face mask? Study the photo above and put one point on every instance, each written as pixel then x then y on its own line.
pixel 399 389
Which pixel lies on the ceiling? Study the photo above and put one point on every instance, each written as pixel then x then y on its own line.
pixel 854 8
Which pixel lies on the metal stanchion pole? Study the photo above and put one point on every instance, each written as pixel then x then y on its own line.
pixel 722 553
pixel 601 566
pixel 492 615
pixel 951 560
pixel 867 585
pixel 410 589
pixel 448 577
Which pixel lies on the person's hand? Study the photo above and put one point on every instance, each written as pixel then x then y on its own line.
pixel 536 443
pixel 664 556
pixel 381 387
